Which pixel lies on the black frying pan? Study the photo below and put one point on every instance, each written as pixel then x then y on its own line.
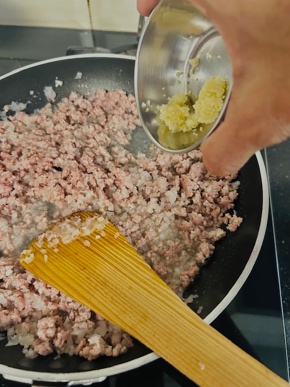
pixel 219 280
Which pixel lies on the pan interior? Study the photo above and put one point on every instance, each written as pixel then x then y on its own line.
pixel 232 254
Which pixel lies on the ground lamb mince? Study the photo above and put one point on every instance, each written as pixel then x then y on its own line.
pixel 73 157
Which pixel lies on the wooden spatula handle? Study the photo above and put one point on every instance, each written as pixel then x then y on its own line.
pixel 111 278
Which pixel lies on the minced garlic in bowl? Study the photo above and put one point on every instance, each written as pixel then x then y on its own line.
pixel 183 121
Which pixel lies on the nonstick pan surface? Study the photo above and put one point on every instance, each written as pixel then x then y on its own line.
pixel 220 279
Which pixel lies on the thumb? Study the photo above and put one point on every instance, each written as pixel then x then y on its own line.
pixel 254 120
pixel 231 145
pixel 224 153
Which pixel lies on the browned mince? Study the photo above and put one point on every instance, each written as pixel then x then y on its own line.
pixel 73 157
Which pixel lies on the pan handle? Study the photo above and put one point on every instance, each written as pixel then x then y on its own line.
pixel 73 50
pixel 47 385
pixel 39 383
pixel 86 382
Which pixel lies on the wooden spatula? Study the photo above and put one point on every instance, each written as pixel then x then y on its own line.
pixel 88 259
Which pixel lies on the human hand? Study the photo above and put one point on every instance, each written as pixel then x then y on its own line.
pixel 257 36
pixel 146 6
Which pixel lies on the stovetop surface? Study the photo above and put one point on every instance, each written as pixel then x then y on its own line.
pixel 257 318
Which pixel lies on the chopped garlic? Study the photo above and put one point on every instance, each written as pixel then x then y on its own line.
pixel 179 115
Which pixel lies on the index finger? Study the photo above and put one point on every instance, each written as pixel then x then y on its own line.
pixel 146 6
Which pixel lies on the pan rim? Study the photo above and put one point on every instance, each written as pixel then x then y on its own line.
pixel 256 249
pixel 95 375
pixel 63 58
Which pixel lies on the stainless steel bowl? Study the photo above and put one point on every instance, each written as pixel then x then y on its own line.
pixel 175 33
